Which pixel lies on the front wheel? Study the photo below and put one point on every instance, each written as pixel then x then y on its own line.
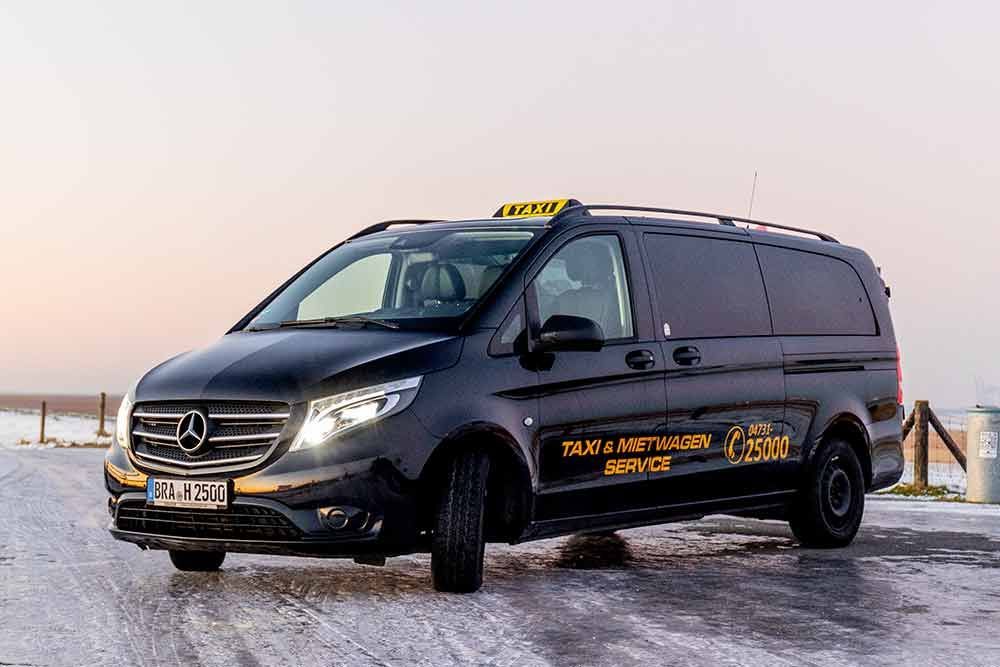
pixel 828 510
pixel 458 544
pixel 197 561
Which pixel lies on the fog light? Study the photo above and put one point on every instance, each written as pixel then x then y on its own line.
pixel 343 517
pixel 335 518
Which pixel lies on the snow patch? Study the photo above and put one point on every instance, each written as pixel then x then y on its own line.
pixel 19 428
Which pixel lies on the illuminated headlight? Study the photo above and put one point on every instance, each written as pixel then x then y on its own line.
pixel 122 422
pixel 331 416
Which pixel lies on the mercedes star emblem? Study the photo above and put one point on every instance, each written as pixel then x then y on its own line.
pixel 192 431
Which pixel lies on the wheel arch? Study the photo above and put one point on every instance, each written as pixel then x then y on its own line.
pixel 509 489
pixel 852 430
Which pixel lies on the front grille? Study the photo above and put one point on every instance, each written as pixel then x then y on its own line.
pixel 216 407
pixel 215 456
pixel 239 522
pixel 239 435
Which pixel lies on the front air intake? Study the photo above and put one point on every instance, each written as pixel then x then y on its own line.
pixel 239 522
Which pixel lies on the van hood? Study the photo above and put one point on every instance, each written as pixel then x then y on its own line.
pixel 295 365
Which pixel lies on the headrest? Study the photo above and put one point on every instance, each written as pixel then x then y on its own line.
pixel 442 282
pixel 413 276
pixel 589 262
pixel 488 277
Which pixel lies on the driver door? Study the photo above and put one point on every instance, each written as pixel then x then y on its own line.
pixel 596 409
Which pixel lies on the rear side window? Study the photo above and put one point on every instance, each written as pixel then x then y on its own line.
pixel 707 288
pixel 815 295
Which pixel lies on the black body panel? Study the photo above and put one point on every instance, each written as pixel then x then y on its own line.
pixel 295 365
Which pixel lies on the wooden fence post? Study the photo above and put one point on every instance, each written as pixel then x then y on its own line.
pixel 920 443
pixel 41 434
pixel 100 423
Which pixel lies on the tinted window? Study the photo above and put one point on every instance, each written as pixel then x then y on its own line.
pixel 814 294
pixel 415 276
pixel 512 336
pixel 586 278
pixel 707 287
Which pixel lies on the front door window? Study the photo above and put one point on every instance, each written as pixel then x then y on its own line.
pixel 586 278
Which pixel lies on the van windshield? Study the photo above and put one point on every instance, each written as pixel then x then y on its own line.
pixel 414 279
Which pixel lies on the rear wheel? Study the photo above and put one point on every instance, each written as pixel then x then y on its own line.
pixel 458 544
pixel 197 561
pixel 829 508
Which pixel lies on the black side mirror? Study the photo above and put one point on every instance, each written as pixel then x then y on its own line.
pixel 570 333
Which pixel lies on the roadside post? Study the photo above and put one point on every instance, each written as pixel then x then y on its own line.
pixel 983 472
pixel 921 410
pixel 41 434
pixel 100 423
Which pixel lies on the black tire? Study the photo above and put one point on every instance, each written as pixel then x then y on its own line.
pixel 197 561
pixel 458 543
pixel 828 510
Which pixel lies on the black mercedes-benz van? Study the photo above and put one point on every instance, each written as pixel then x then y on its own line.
pixel 437 385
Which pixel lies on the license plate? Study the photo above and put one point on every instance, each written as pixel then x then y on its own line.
pixel 187 493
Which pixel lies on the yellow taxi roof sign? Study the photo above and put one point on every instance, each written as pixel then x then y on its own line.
pixel 530 209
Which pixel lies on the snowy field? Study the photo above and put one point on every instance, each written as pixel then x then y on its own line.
pixel 950 475
pixel 20 428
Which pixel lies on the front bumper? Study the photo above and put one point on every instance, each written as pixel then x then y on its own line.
pixel 278 510
pixel 368 538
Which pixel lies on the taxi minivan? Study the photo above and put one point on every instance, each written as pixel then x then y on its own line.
pixel 557 368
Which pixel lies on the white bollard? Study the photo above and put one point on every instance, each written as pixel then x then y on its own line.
pixel 982 447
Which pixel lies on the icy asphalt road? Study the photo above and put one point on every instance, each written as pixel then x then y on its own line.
pixel 921 585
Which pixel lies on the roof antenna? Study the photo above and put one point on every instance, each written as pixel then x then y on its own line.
pixel 753 191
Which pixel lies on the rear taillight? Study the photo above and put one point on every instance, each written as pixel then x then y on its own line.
pixel 899 377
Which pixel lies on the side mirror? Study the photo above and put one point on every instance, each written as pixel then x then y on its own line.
pixel 570 333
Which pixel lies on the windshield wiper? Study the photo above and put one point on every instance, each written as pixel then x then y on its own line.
pixel 347 319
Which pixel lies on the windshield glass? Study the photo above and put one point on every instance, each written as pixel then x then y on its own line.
pixel 414 278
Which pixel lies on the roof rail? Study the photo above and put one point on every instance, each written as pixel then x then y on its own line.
pixel 722 219
pixel 382 226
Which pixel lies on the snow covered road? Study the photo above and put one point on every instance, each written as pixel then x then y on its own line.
pixel 921 585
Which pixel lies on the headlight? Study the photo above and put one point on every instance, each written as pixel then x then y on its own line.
pixel 331 416
pixel 122 421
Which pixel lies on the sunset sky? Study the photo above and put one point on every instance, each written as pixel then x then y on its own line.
pixel 164 166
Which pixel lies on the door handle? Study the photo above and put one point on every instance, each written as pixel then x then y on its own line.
pixel 640 360
pixel 687 356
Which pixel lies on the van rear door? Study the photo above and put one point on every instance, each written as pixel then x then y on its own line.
pixel 838 359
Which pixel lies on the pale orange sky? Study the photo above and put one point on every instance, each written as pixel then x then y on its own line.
pixel 163 167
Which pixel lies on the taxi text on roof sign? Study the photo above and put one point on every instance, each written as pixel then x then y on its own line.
pixel 526 209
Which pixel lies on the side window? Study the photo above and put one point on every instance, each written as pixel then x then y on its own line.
pixel 815 294
pixel 512 337
pixel 707 288
pixel 357 288
pixel 586 278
